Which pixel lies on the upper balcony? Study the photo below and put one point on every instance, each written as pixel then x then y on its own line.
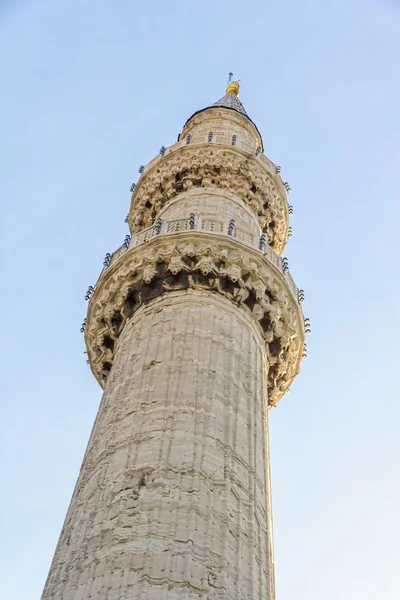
pixel 219 139
pixel 213 163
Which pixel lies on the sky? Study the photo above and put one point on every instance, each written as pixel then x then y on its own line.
pixel 90 91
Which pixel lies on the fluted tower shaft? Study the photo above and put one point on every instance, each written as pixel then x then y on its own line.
pixel 194 330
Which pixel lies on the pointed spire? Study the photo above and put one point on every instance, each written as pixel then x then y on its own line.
pixel 229 101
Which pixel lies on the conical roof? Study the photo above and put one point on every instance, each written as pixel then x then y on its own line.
pixel 231 101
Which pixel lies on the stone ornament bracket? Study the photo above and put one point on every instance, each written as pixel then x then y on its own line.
pixel 166 264
pixel 222 167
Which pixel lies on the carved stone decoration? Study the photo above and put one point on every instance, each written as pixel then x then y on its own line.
pixel 225 168
pixel 206 265
pixel 233 272
pixel 176 265
pixel 149 273
pixel 168 264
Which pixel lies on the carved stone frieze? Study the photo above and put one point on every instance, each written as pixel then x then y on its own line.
pixel 222 167
pixel 212 266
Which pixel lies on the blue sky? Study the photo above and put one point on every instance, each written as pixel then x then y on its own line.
pixel 90 91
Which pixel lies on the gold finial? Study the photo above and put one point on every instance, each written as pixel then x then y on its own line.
pixel 233 87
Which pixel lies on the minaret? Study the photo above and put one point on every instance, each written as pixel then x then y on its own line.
pixel 194 330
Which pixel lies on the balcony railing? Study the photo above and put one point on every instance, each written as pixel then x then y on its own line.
pixel 209 225
pixel 206 224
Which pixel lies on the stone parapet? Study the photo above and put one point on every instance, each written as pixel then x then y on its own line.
pixel 196 223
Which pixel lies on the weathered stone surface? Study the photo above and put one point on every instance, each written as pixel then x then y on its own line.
pixel 170 501
pixel 213 204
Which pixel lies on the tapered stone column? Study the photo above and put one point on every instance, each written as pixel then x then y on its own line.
pixel 170 501
pixel 194 330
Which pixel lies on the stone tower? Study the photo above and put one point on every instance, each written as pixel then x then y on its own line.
pixel 194 329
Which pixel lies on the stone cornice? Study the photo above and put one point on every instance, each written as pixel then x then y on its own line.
pixel 206 263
